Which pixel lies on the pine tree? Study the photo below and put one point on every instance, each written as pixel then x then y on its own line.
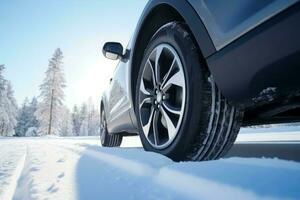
pixel 52 96
pixel 4 119
pixel 32 120
pixel 65 124
pixel 8 106
pixel 84 131
pixel 76 121
pixel 93 118
pixel 32 123
pixel 21 127
pixel 86 120
pixel 26 118
pixel 12 109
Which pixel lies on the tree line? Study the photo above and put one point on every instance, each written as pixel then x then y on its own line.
pixel 46 114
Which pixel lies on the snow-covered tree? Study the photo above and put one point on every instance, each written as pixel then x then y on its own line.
pixel 65 124
pixel 52 96
pixel 93 119
pixel 76 121
pixel 3 103
pixel 23 114
pixel 31 132
pixel 8 106
pixel 27 119
pixel 86 119
pixel 84 129
pixel 12 109
pixel 32 120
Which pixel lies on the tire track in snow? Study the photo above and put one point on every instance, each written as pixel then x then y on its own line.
pixel 24 182
pixel 44 175
pixel 14 179
pixel 188 185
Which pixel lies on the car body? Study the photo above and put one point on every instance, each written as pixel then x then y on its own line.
pixel 251 48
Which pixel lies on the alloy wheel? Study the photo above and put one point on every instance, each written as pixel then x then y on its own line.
pixel 162 96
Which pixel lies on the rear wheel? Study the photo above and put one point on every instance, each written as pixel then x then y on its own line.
pixel 108 140
pixel 180 111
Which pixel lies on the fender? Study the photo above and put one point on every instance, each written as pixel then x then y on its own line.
pixel 139 41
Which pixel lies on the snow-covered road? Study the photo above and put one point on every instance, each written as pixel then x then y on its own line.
pixel 77 168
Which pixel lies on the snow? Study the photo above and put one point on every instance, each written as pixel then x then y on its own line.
pixel 269 137
pixel 10 167
pixel 77 168
pixel 284 128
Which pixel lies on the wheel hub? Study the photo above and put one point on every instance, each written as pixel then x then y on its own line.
pixel 159 97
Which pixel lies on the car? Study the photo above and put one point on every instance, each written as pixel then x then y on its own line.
pixel 195 71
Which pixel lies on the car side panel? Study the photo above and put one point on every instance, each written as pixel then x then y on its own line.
pixel 264 64
pixel 226 21
pixel 117 93
pixel 118 104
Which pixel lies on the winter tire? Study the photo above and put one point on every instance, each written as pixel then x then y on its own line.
pixel 180 110
pixel 108 140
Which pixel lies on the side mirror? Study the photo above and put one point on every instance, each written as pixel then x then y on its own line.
pixel 112 50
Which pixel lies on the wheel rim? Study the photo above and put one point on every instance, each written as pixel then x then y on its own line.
pixel 162 96
pixel 102 127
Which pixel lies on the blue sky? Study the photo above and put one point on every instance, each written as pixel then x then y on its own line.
pixel 31 30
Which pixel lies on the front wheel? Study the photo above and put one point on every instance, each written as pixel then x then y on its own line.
pixel 108 140
pixel 180 111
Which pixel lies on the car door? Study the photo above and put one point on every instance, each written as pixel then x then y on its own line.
pixel 118 102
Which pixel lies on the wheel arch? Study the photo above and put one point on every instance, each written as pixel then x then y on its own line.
pixel 156 14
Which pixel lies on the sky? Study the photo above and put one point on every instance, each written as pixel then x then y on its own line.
pixel 31 30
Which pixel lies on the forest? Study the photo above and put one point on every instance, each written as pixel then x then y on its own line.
pixel 46 114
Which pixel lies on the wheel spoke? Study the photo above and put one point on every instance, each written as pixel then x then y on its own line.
pixel 146 128
pixel 145 100
pixel 157 66
pixel 155 129
pixel 153 74
pixel 171 109
pixel 166 77
pixel 143 89
pixel 170 126
pixel 176 79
